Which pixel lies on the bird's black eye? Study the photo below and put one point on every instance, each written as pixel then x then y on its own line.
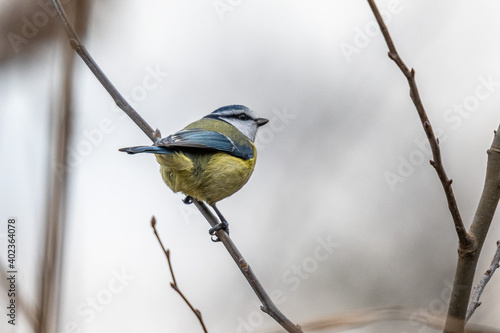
pixel 242 116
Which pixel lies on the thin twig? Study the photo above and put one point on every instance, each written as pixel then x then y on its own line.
pixel 79 48
pixel 465 240
pixel 174 283
pixel 267 304
pixel 474 304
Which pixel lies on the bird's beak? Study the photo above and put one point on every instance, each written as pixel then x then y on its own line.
pixel 262 121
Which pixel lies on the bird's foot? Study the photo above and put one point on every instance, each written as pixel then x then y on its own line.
pixel 188 200
pixel 220 226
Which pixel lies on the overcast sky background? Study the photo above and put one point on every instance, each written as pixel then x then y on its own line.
pixel 342 124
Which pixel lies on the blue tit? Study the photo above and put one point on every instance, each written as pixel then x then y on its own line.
pixel 211 158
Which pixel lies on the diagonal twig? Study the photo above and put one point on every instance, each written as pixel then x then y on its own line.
pixel 268 306
pixel 474 304
pixel 173 284
pixel 79 48
pixel 465 240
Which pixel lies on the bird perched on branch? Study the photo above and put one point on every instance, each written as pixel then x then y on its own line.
pixel 211 158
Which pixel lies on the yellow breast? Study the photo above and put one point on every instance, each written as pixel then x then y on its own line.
pixel 208 177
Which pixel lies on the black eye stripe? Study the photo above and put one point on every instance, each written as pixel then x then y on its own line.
pixel 241 116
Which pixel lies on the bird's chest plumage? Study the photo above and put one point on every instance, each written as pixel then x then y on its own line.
pixel 206 176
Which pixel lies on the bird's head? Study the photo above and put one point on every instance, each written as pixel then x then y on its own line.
pixel 240 117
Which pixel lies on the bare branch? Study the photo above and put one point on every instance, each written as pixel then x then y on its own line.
pixel 474 304
pixel 267 304
pixel 79 48
pixel 174 283
pixel 470 243
pixel 467 260
pixel 465 240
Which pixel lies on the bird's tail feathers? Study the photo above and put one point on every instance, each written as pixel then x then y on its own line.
pixel 146 149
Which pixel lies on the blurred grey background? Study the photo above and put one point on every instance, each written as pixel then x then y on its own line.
pixel 343 211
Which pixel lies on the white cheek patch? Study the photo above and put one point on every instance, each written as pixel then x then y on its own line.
pixel 247 127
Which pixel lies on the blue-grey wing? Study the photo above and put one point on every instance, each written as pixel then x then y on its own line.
pixel 210 140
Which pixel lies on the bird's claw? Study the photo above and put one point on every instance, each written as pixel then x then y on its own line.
pixel 188 200
pixel 219 226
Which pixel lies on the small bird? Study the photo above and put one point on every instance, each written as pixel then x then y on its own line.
pixel 211 158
